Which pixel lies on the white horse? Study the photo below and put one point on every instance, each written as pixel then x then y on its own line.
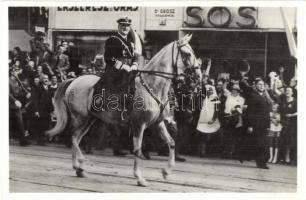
pixel 73 101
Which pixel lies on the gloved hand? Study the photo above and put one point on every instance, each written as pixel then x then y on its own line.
pixel 134 67
pixel 28 95
pixel 250 130
pixel 37 114
pixel 126 68
pixel 18 104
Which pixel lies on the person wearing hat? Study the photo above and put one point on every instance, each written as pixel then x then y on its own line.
pixel 257 122
pixel 208 123
pixel 16 122
pixel 60 63
pixel 234 105
pixel 121 61
pixel 38 47
pixel 18 55
pixel 119 49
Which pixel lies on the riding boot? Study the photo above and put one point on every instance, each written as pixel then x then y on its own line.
pixel 128 103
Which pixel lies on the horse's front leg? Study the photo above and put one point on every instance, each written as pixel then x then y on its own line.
pixel 171 144
pixel 137 142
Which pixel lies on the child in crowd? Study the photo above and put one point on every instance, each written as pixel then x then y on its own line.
pixel 274 133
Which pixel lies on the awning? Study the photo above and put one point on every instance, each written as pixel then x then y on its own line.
pixel 19 38
pixel 71 37
pixel 260 30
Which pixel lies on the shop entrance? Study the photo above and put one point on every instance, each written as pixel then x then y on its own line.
pixel 88 44
pixel 265 51
pixel 227 49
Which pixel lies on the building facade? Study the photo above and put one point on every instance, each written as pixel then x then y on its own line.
pixel 224 34
pixel 229 34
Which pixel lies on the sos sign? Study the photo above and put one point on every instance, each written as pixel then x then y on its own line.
pixel 221 17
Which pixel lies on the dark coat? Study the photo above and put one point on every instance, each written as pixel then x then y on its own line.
pixel 42 101
pixel 60 61
pixel 257 112
pixel 254 146
pixel 15 93
pixel 288 108
pixel 74 59
pixel 30 107
pixel 30 74
pixel 37 47
pixel 118 49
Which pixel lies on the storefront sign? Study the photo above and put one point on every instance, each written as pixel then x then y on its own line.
pixel 164 18
pixel 238 17
pixel 91 18
pixel 164 12
pixel 102 8
pixel 221 17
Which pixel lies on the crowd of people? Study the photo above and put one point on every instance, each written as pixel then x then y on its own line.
pixel 33 79
pixel 238 117
pixel 241 117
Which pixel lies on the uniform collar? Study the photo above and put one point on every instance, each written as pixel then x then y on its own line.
pixel 122 36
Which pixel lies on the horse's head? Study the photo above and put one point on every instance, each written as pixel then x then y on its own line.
pixel 186 58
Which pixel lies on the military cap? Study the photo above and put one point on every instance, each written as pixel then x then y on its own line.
pixel 124 20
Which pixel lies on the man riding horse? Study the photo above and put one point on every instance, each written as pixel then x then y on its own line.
pixel 73 99
pixel 121 62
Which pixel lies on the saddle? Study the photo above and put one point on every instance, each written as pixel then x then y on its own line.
pixel 114 92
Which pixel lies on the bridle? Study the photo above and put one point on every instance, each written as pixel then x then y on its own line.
pixel 173 76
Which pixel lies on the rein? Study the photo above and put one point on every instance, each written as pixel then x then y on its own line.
pixel 166 75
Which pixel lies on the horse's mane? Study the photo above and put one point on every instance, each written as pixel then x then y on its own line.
pixel 156 57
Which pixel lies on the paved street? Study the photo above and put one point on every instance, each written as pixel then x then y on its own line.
pixel 49 169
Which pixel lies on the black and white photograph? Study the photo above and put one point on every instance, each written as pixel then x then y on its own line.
pixel 152 99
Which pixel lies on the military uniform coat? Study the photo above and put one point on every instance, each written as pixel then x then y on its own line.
pixel 118 49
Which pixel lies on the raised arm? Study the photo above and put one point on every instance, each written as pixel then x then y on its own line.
pixel 208 67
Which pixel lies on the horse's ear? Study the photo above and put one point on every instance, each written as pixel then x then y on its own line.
pixel 184 40
pixel 189 36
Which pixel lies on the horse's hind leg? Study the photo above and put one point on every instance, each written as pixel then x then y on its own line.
pixel 171 144
pixel 77 156
pixel 137 141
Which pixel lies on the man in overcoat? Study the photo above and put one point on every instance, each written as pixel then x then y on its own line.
pixel 15 112
pixel 42 100
pixel 120 60
pixel 256 122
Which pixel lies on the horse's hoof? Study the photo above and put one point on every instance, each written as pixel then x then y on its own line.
pixel 142 183
pixel 165 174
pixel 80 173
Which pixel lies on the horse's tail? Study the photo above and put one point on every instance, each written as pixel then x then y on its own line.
pixel 60 109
